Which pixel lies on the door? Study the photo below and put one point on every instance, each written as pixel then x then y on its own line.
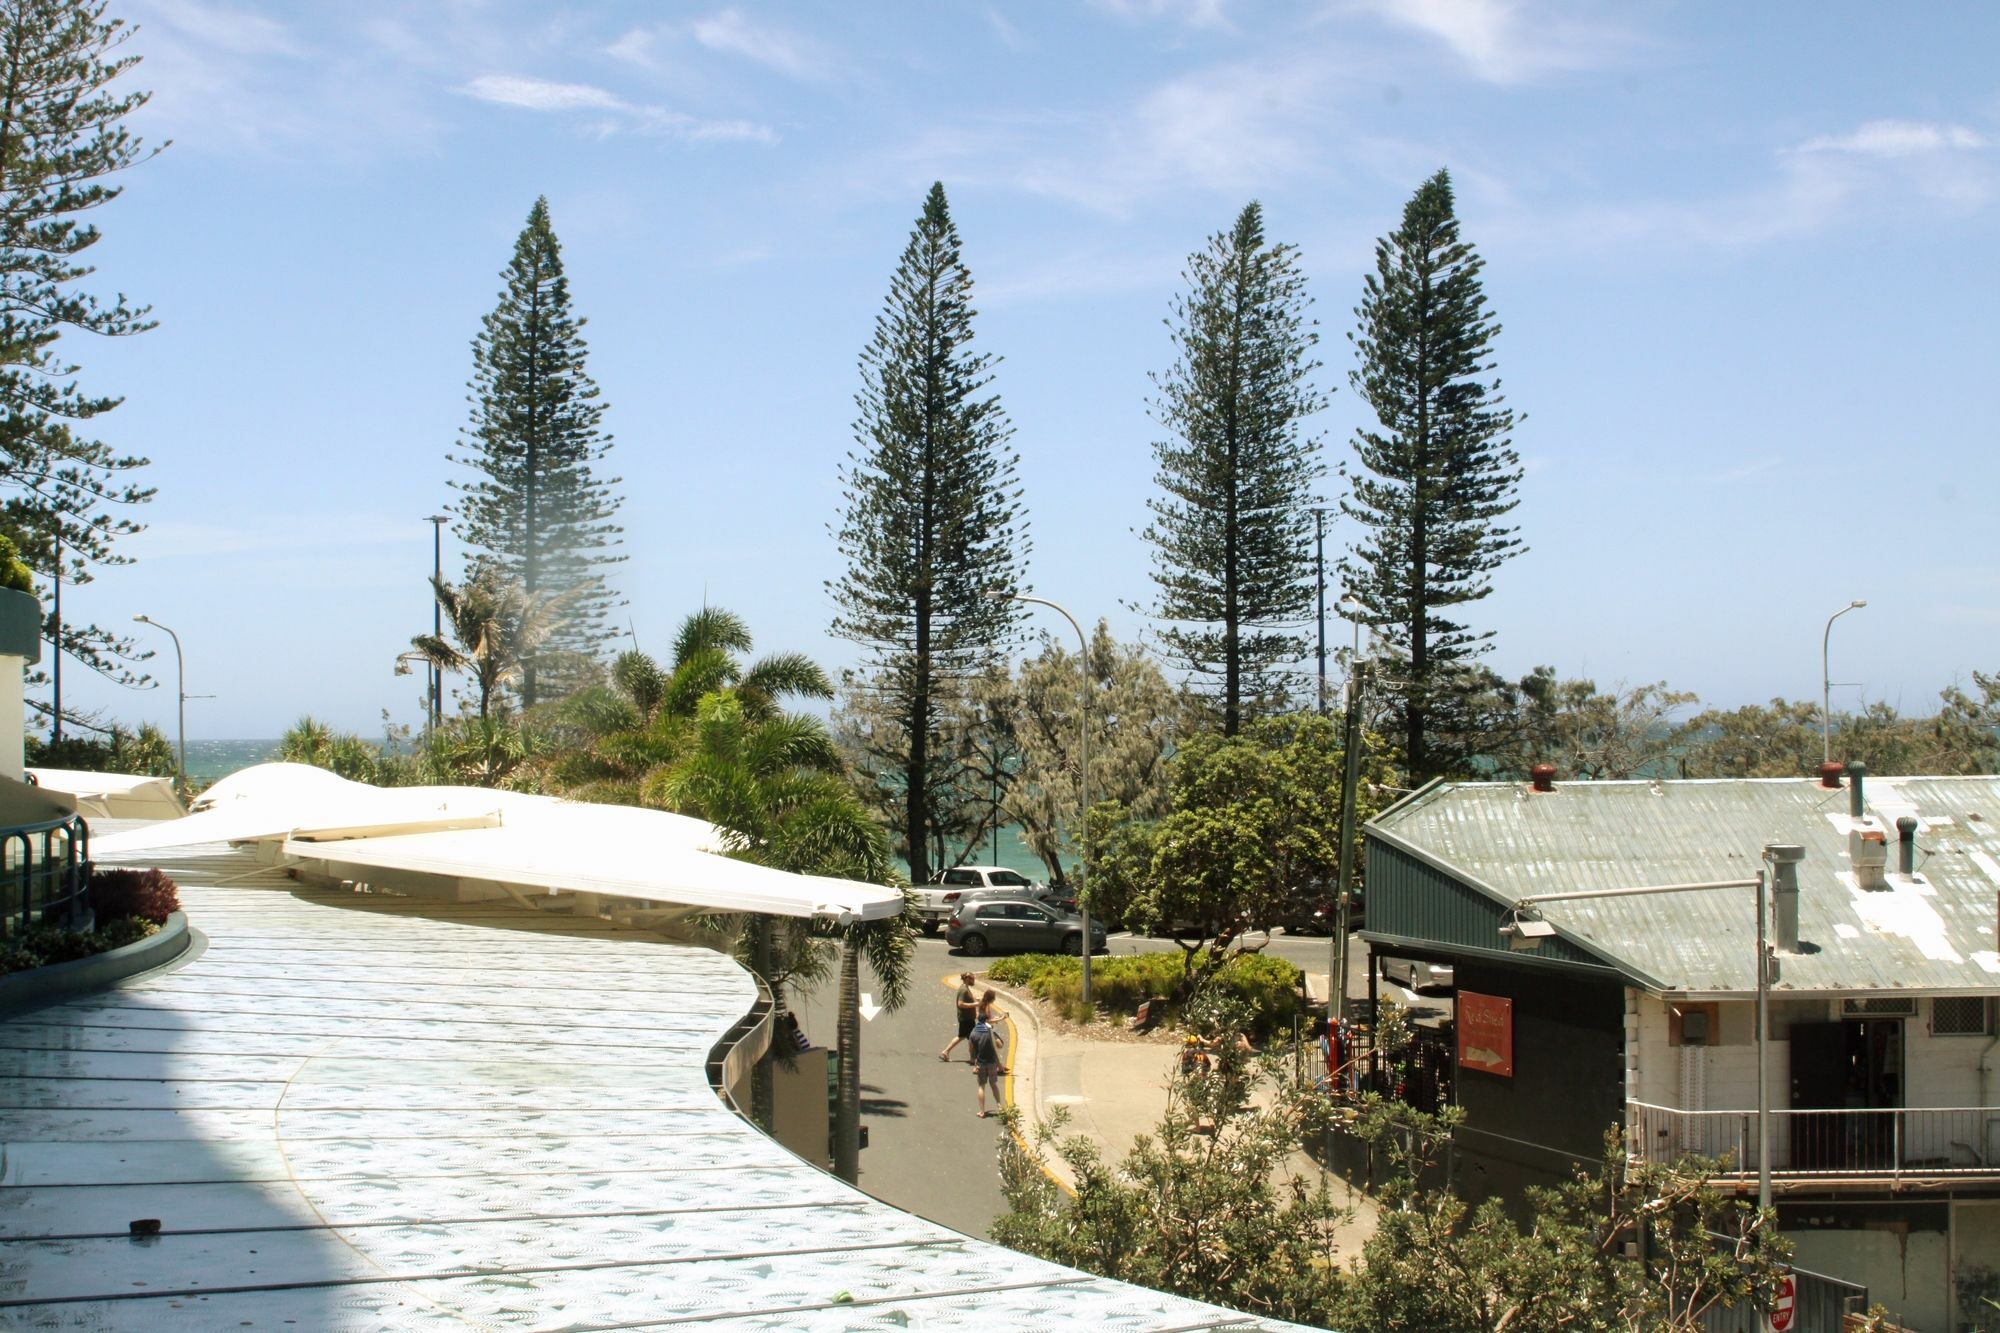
pixel 1819 1083
pixel 1039 930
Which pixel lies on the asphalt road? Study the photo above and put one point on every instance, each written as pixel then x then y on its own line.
pixel 928 1153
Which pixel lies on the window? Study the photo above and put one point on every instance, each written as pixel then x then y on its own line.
pixel 1961 1016
pixel 1007 879
pixel 1693 1024
pixel 960 877
pixel 1879 1006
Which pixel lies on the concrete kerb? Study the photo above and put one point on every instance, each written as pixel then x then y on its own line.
pixel 1024 1053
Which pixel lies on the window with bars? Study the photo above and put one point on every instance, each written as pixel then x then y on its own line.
pixel 1878 1006
pixel 1961 1016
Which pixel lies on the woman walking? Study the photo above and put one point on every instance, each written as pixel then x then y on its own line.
pixel 968 1014
pixel 986 1046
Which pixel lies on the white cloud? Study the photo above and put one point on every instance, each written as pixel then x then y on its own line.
pixel 787 52
pixel 532 94
pixel 226 30
pixel 541 94
pixel 1897 138
pixel 1500 42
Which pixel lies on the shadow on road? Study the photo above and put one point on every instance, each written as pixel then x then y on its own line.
pixel 878 1104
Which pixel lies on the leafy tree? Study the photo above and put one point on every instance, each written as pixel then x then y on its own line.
pixel 14 572
pixel 1438 476
pixel 1435 1265
pixel 1217 1204
pixel 1590 734
pixel 61 140
pixel 537 509
pixel 929 527
pixel 1230 533
pixel 1252 821
pixel 1779 739
pixel 145 751
pixel 969 755
pixel 1136 716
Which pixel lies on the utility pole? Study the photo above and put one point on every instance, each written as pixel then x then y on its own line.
pixel 1350 777
pixel 437 522
pixel 55 655
pixel 1319 586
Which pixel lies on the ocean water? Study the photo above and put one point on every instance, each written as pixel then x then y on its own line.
pixel 210 760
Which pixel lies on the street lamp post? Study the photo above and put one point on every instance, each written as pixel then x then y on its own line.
pixel 1350 759
pixel 1826 684
pixel 1319 596
pixel 1783 857
pixel 180 689
pixel 1082 769
pixel 437 522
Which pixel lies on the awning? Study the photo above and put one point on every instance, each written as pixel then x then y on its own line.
pixel 506 838
pixel 113 795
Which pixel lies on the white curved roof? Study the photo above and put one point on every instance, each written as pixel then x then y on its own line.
pixel 498 837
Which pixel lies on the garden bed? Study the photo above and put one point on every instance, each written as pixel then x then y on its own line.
pixel 1267 986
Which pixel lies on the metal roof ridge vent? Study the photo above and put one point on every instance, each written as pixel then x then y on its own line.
pixel 1857 801
pixel 1906 846
pixel 1543 777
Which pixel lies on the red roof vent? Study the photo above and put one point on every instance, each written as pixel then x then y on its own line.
pixel 1543 776
pixel 1829 775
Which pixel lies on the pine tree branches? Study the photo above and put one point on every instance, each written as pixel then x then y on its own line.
pixel 929 521
pixel 537 509
pixel 60 142
pixel 1439 474
pixel 1230 530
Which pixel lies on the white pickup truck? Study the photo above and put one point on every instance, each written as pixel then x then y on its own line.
pixel 937 901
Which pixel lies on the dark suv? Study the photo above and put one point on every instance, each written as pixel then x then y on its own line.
pixel 1018 926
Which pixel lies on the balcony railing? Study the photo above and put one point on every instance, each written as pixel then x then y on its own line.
pixel 1903 1141
pixel 44 874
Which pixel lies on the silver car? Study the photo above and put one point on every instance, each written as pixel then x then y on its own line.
pixel 1418 975
pixel 1014 925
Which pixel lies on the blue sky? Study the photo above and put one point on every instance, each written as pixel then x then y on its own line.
pixel 1744 258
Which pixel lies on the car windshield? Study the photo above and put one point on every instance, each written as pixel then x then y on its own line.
pixel 1008 879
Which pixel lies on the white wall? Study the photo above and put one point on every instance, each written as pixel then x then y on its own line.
pixel 13 723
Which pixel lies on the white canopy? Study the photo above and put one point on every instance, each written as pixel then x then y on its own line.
pixel 506 838
pixel 113 795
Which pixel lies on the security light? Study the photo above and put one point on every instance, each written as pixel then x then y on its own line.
pixel 1527 932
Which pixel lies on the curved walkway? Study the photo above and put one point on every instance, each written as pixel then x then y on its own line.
pixel 361 1112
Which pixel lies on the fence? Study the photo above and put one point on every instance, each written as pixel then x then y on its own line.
pixel 44 874
pixel 1919 1140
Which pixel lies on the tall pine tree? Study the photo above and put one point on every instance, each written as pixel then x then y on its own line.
pixel 1232 531
pixel 1440 473
pixel 537 511
pixel 61 140
pixel 930 526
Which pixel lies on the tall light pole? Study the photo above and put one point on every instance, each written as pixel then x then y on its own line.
pixel 1826 685
pixel 1350 777
pixel 1783 859
pixel 1319 595
pixel 180 688
pixel 1082 768
pixel 437 522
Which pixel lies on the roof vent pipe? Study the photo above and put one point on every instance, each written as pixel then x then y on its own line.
pixel 1906 844
pixel 1857 804
pixel 1543 776
pixel 1829 775
pixel 1784 858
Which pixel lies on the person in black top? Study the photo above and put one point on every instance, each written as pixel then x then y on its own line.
pixel 968 1014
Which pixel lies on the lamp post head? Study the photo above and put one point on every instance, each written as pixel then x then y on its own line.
pixel 143 619
pixel 1856 606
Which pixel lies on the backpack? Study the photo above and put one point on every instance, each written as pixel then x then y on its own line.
pixel 982 1044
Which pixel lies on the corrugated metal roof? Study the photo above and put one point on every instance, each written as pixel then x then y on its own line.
pixel 1936 931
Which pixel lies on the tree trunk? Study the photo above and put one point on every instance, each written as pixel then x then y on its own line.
pixel 847 1108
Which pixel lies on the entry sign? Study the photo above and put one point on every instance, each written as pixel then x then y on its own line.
pixel 1486 1033
pixel 1781 1305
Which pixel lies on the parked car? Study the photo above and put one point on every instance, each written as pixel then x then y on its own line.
pixel 938 900
pixel 1017 925
pixel 1418 975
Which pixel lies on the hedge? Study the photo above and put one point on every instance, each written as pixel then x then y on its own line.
pixel 1120 984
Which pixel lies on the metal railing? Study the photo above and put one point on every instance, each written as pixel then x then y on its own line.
pixel 1899 1141
pixel 45 874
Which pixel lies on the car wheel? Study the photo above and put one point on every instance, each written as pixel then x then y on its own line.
pixel 1072 945
pixel 972 945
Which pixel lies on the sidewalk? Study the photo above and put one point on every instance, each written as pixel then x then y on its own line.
pixel 1113 1090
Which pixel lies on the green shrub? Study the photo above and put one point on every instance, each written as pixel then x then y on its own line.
pixel 39 946
pixel 1267 986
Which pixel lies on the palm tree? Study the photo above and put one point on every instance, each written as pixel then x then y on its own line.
pixel 495 627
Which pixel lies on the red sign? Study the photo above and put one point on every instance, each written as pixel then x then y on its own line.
pixel 1781 1304
pixel 1486 1033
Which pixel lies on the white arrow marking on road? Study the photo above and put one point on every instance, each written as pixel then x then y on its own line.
pixel 868 1006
